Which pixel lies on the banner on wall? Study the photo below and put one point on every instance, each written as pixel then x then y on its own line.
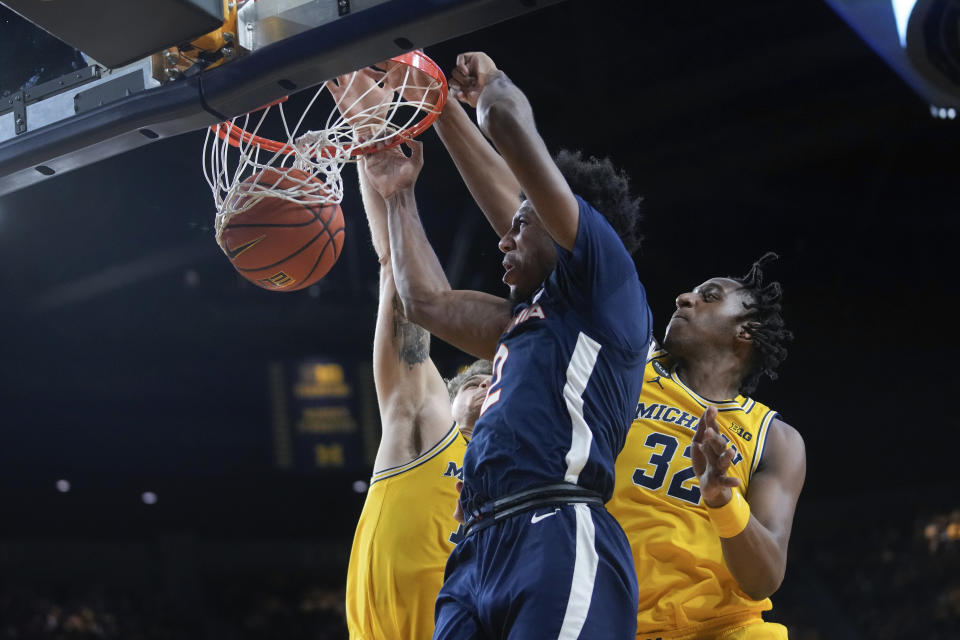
pixel 318 415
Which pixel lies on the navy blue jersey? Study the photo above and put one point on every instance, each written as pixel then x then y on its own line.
pixel 566 375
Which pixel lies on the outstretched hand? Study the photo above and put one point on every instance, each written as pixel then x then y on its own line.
pixel 472 73
pixel 711 461
pixel 363 99
pixel 391 170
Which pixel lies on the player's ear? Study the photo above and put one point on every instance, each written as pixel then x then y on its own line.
pixel 744 334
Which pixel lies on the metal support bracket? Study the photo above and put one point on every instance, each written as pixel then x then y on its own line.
pixel 17 102
pixel 102 94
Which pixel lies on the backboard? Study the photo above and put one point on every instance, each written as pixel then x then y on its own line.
pixel 264 50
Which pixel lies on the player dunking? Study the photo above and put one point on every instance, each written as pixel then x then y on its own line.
pixel 708 509
pixel 670 606
pixel 406 530
pixel 646 460
pixel 541 557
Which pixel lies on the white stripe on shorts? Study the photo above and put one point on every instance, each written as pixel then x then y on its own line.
pixel 582 362
pixel 584 575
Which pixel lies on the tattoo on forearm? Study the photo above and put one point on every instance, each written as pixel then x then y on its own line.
pixel 412 341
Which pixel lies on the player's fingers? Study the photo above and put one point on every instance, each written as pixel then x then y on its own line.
pixel 723 462
pixel 335 89
pixel 709 458
pixel 344 81
pixel 717 445
pixel 465 62
pixel 730 454
pixel 711 417
pixel 460 78
pixel 416 151
pixel 707 422
pixel 710 439
pixel 461 66
pixel 701 430
pixel 369 73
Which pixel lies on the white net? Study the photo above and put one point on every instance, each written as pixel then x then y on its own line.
pixel 371 108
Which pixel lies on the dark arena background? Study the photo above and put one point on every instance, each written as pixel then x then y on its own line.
pixel 185 455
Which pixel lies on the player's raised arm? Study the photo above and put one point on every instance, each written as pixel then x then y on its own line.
pixel 413 399
pixel 490 181
pixel 469 320
pixel 754 529
pixel 505 116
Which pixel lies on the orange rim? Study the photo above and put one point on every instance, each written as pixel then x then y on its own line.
pixel 236 135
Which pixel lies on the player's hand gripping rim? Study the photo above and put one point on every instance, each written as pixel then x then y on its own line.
pixel 472 73
pixel 391 170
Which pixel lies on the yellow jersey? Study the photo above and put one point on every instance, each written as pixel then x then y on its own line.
pixel 405 533
pixel 683 580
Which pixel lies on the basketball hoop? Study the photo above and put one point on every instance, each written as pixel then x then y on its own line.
pixel 372 109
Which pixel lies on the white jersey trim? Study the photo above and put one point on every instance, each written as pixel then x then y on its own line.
pixel 582 362
pixel 762 439
pixel 584 576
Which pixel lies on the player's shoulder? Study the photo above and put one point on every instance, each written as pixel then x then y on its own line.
pixel 788 434
pixel 784 450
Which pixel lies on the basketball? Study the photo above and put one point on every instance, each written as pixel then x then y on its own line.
pixel 282 245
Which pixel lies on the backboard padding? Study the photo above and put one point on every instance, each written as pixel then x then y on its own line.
pixel 299 62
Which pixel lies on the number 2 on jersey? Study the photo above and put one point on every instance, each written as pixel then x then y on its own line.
pixel 493 392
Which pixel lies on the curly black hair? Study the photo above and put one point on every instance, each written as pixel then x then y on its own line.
pixel 607 189
pixel 765 324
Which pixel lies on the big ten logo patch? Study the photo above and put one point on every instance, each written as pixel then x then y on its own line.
pixel 740 431
pixel 278 280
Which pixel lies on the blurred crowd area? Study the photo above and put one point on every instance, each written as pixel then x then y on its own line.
pixel 250 608
pixel 899 580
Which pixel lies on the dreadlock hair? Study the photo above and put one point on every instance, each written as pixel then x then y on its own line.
pixel 765 324
pixel 479 367
pixel 607 189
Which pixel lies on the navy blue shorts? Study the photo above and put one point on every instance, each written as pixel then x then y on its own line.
pixel 553 572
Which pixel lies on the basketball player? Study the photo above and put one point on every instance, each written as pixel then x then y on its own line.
pixel 649 505
pixel 406 529
pixel 541 557
pixel 708 509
